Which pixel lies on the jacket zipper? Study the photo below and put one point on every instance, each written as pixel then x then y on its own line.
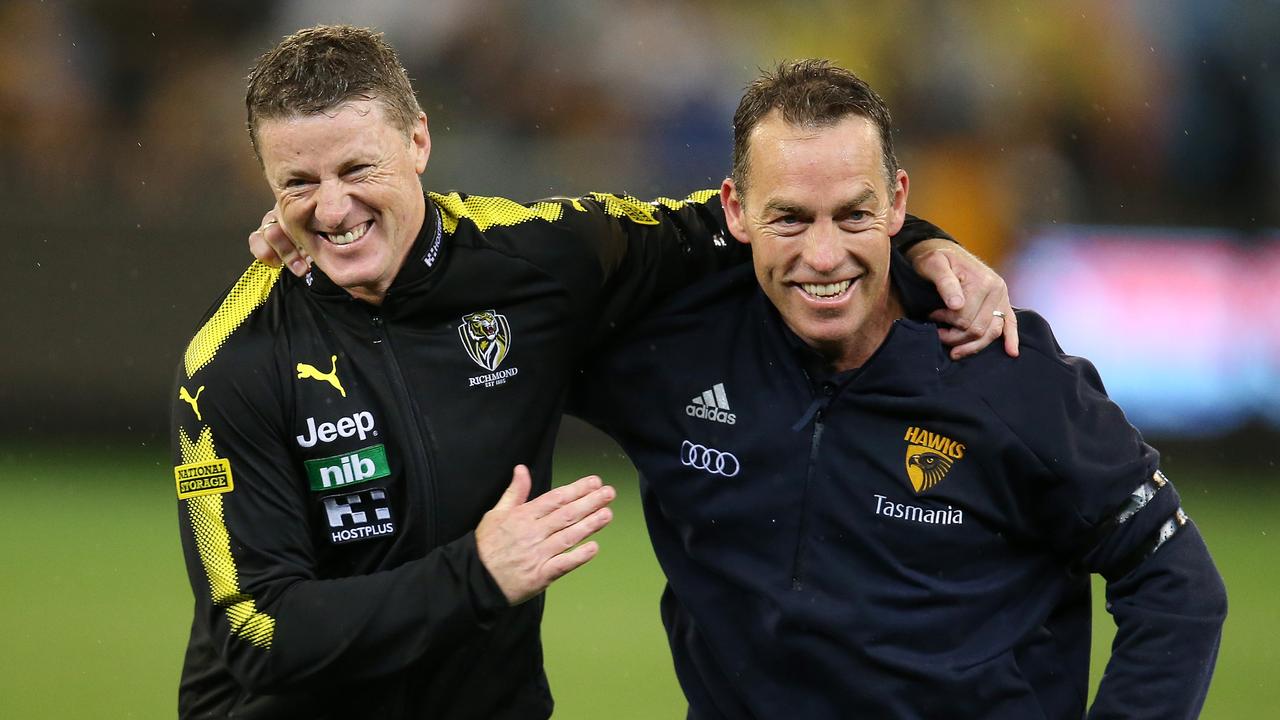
pixel 418 451
pixel 797 565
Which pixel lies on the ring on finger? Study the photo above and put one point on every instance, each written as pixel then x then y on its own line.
pixel 998 313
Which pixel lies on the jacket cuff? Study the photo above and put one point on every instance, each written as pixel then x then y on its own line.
pixel 486 597
pixel 915 230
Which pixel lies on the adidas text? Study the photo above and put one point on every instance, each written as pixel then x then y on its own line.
pixel 707 413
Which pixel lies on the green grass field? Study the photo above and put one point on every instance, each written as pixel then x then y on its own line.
pixel 94 603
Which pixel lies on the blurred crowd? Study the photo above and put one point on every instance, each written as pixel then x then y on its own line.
pixel 1011 114
pixel 127 179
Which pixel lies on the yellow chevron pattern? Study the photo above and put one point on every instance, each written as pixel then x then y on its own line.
pixel 214 546
pixel 250 291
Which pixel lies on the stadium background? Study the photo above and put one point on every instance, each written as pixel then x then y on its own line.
pixel 1121 161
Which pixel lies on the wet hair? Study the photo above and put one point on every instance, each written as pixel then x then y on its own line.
pixel 319 68
pixel 808 93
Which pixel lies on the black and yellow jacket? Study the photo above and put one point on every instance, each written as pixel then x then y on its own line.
pixel 332 458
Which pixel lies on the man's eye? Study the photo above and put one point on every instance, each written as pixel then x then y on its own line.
pixel 294 183
pixel 789 220
pixel 358 169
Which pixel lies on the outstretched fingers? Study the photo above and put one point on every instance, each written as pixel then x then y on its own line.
pixel 528 544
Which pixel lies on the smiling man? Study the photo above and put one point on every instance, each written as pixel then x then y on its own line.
pixel 819 232
pixel 346 186
pixel 864 528
pixel 355 537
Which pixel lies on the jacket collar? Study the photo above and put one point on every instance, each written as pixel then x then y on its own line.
pixel 425 256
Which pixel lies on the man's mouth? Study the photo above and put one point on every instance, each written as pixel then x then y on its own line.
pixel 349 236
pixel 826 291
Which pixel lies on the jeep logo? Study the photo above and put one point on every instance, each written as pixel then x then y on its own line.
pixel 360 424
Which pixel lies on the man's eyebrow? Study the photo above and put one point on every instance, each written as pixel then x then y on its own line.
pixel 862 199
pixel 784 207
pixel 285 171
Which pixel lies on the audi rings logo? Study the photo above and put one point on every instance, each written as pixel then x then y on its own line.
pixel 701 457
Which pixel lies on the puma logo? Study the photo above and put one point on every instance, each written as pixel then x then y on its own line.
pixel 185 397
pixel 331 377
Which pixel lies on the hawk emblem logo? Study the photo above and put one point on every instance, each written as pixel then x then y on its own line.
pixel 486 336
pixel 930 457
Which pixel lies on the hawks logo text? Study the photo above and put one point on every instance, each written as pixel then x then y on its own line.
pixel 486 336
pixel 929 457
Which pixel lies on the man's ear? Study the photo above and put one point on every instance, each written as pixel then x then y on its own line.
pixel 734 213
pixel 898 212
pixel 420 139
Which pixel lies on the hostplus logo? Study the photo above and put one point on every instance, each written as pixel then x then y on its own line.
pixel 362 515
pixel 350 468
pixel 712 405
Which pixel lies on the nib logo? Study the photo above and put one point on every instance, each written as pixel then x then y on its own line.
pixel 348 469
pixel 712 405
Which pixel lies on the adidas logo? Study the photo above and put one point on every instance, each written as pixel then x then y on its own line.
pixel 712 405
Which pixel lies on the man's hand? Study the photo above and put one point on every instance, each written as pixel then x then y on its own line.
pixel 977 299
pixel 526 546
pixel 271 245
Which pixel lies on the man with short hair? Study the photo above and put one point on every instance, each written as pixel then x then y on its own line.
pixel 851 524
pixel 344 442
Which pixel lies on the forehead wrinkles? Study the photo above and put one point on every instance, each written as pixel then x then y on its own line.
pixel 818 171
pixel 322 141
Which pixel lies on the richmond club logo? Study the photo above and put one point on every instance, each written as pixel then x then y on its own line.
pixel 486 336
pixel 929 457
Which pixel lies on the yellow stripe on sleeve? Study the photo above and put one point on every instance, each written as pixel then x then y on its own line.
pixel 487 212
pixel 697 198
pixel 250 291
pixel 213 544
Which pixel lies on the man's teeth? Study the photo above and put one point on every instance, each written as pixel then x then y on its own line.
pixel 828 290
pixel 349 236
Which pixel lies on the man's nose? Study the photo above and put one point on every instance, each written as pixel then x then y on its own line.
pixel 822 247
pixel 332 205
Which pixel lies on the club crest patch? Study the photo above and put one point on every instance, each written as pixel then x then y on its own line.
pixel 486 336
pixel 930 457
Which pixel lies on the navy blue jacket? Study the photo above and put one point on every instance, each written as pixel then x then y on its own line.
pixel 911 539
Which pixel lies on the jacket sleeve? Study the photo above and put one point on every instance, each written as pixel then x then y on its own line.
pixel 250 554
pixel 1109 510
pixel 648 250
pixel 641 252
